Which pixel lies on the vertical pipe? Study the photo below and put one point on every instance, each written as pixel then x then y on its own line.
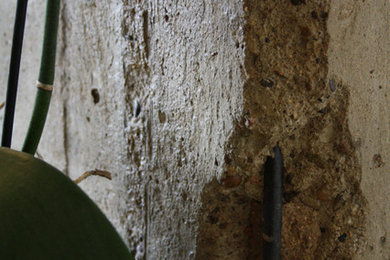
pixel 13 75
pixel 272 214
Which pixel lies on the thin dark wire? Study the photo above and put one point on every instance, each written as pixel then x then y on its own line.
pixel 272 208
pixel 13 76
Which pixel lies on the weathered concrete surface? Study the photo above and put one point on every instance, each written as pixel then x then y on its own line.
pixel 166 59
pixel 175 99
pixel 91 90
pixel 183 62
pixel 359 57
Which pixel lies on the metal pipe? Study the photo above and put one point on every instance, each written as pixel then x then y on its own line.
pixel 13 74
pixel 272 208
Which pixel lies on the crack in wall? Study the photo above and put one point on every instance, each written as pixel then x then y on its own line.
pixel 145 32
pixel 134 29
pixel 63 83
pixel 66 141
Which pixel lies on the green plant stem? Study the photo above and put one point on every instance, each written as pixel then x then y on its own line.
pixel 46 77
pixel 38 118
pixel 48 58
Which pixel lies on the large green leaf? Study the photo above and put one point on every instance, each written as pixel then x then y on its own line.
pixel 44 215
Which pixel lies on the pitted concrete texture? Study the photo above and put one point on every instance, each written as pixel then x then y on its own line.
pixel 287 101
pixel 183 64
pixel 183 100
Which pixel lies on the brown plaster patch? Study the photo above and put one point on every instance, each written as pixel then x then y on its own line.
pixel 288 100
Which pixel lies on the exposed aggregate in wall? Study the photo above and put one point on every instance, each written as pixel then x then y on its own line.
pixel 289 101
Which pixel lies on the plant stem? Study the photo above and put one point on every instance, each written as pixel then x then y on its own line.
pixel 13 76
pixel 46 78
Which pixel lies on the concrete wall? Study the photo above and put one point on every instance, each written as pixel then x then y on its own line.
pixel 359 57
pixel 183 100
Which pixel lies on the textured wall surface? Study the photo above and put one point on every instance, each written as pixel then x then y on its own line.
pixel 185 72
pixel 359 57
pixel 183 100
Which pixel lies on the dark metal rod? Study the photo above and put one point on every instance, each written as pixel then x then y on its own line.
pixel 13 76
pixel 272 213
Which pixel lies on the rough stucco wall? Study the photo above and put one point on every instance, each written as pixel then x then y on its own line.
pixel 183 68
pixel 174 98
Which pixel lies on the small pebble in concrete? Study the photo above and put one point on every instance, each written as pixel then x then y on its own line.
pixel 267 83
pixel 332 85
pixel 95 95
pixel 377 159
pixel 161 117
pixel 137 108
pixel 324 194
pixel 324 15
pixel 342 238
pixel 232 181
pixel 298 2
pixel 323 110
